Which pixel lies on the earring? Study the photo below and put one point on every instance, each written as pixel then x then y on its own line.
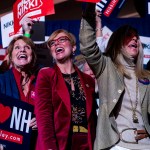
pixel 54 60
pixel 73 53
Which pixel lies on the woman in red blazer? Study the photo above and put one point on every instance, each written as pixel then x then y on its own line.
pixel 65 105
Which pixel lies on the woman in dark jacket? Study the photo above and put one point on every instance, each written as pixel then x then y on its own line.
pixel 19 81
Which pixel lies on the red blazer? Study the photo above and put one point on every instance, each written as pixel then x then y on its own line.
pixel 53 108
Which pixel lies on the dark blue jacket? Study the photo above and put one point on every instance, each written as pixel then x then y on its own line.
pixel 8 85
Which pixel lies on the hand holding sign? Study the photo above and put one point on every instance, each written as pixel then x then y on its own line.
pixel 33 124
pixel 27 23
pixel 31 8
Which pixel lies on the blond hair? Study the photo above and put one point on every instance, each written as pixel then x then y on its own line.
pixel 115 52
pixel 68 34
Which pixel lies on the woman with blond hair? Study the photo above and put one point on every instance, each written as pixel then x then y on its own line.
pixel 65 105
pixel 124 86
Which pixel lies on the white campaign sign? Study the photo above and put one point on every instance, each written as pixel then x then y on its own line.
pixel 146 48
pixel 7 29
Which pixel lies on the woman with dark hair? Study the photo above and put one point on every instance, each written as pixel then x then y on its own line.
pixel 19 81
pixel 22 57
pixel 65 105
pixel 124 86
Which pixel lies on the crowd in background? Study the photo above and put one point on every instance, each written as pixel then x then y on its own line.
pixel 102 103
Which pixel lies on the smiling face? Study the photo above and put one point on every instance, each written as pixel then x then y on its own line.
pixel 21 54
pixel 131 46
pixel 61 47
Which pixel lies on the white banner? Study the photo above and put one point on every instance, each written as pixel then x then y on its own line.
pixel 7 29
pixel 146 47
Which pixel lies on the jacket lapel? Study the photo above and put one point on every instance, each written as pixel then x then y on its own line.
pixel 62 89
pixel 142 91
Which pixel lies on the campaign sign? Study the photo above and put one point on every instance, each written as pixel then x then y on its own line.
pixel 92 1
pixel 15 116
pixel 7 29
pixel 32 9
pixel 146 48
pixel 110 8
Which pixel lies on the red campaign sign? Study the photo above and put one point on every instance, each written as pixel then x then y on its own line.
pixel 110 7
pixel 32 9
pixel 12 137
pixel 92 1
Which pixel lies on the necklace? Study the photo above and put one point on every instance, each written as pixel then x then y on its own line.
pixel 23 84
pixel 134 116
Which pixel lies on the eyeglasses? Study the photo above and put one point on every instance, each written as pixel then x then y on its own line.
pixel 61 39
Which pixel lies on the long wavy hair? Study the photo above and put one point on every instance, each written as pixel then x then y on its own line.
pixel 115 47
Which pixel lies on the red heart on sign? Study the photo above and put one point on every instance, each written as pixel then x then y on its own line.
pixel 5 113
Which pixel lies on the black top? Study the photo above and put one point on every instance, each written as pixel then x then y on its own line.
pixel 78 100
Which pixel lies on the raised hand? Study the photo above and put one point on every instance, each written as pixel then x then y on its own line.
pixel 98 20
pixel 27 23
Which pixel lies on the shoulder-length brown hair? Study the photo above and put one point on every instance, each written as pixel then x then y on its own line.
pixel 115 46
pixel 27 41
